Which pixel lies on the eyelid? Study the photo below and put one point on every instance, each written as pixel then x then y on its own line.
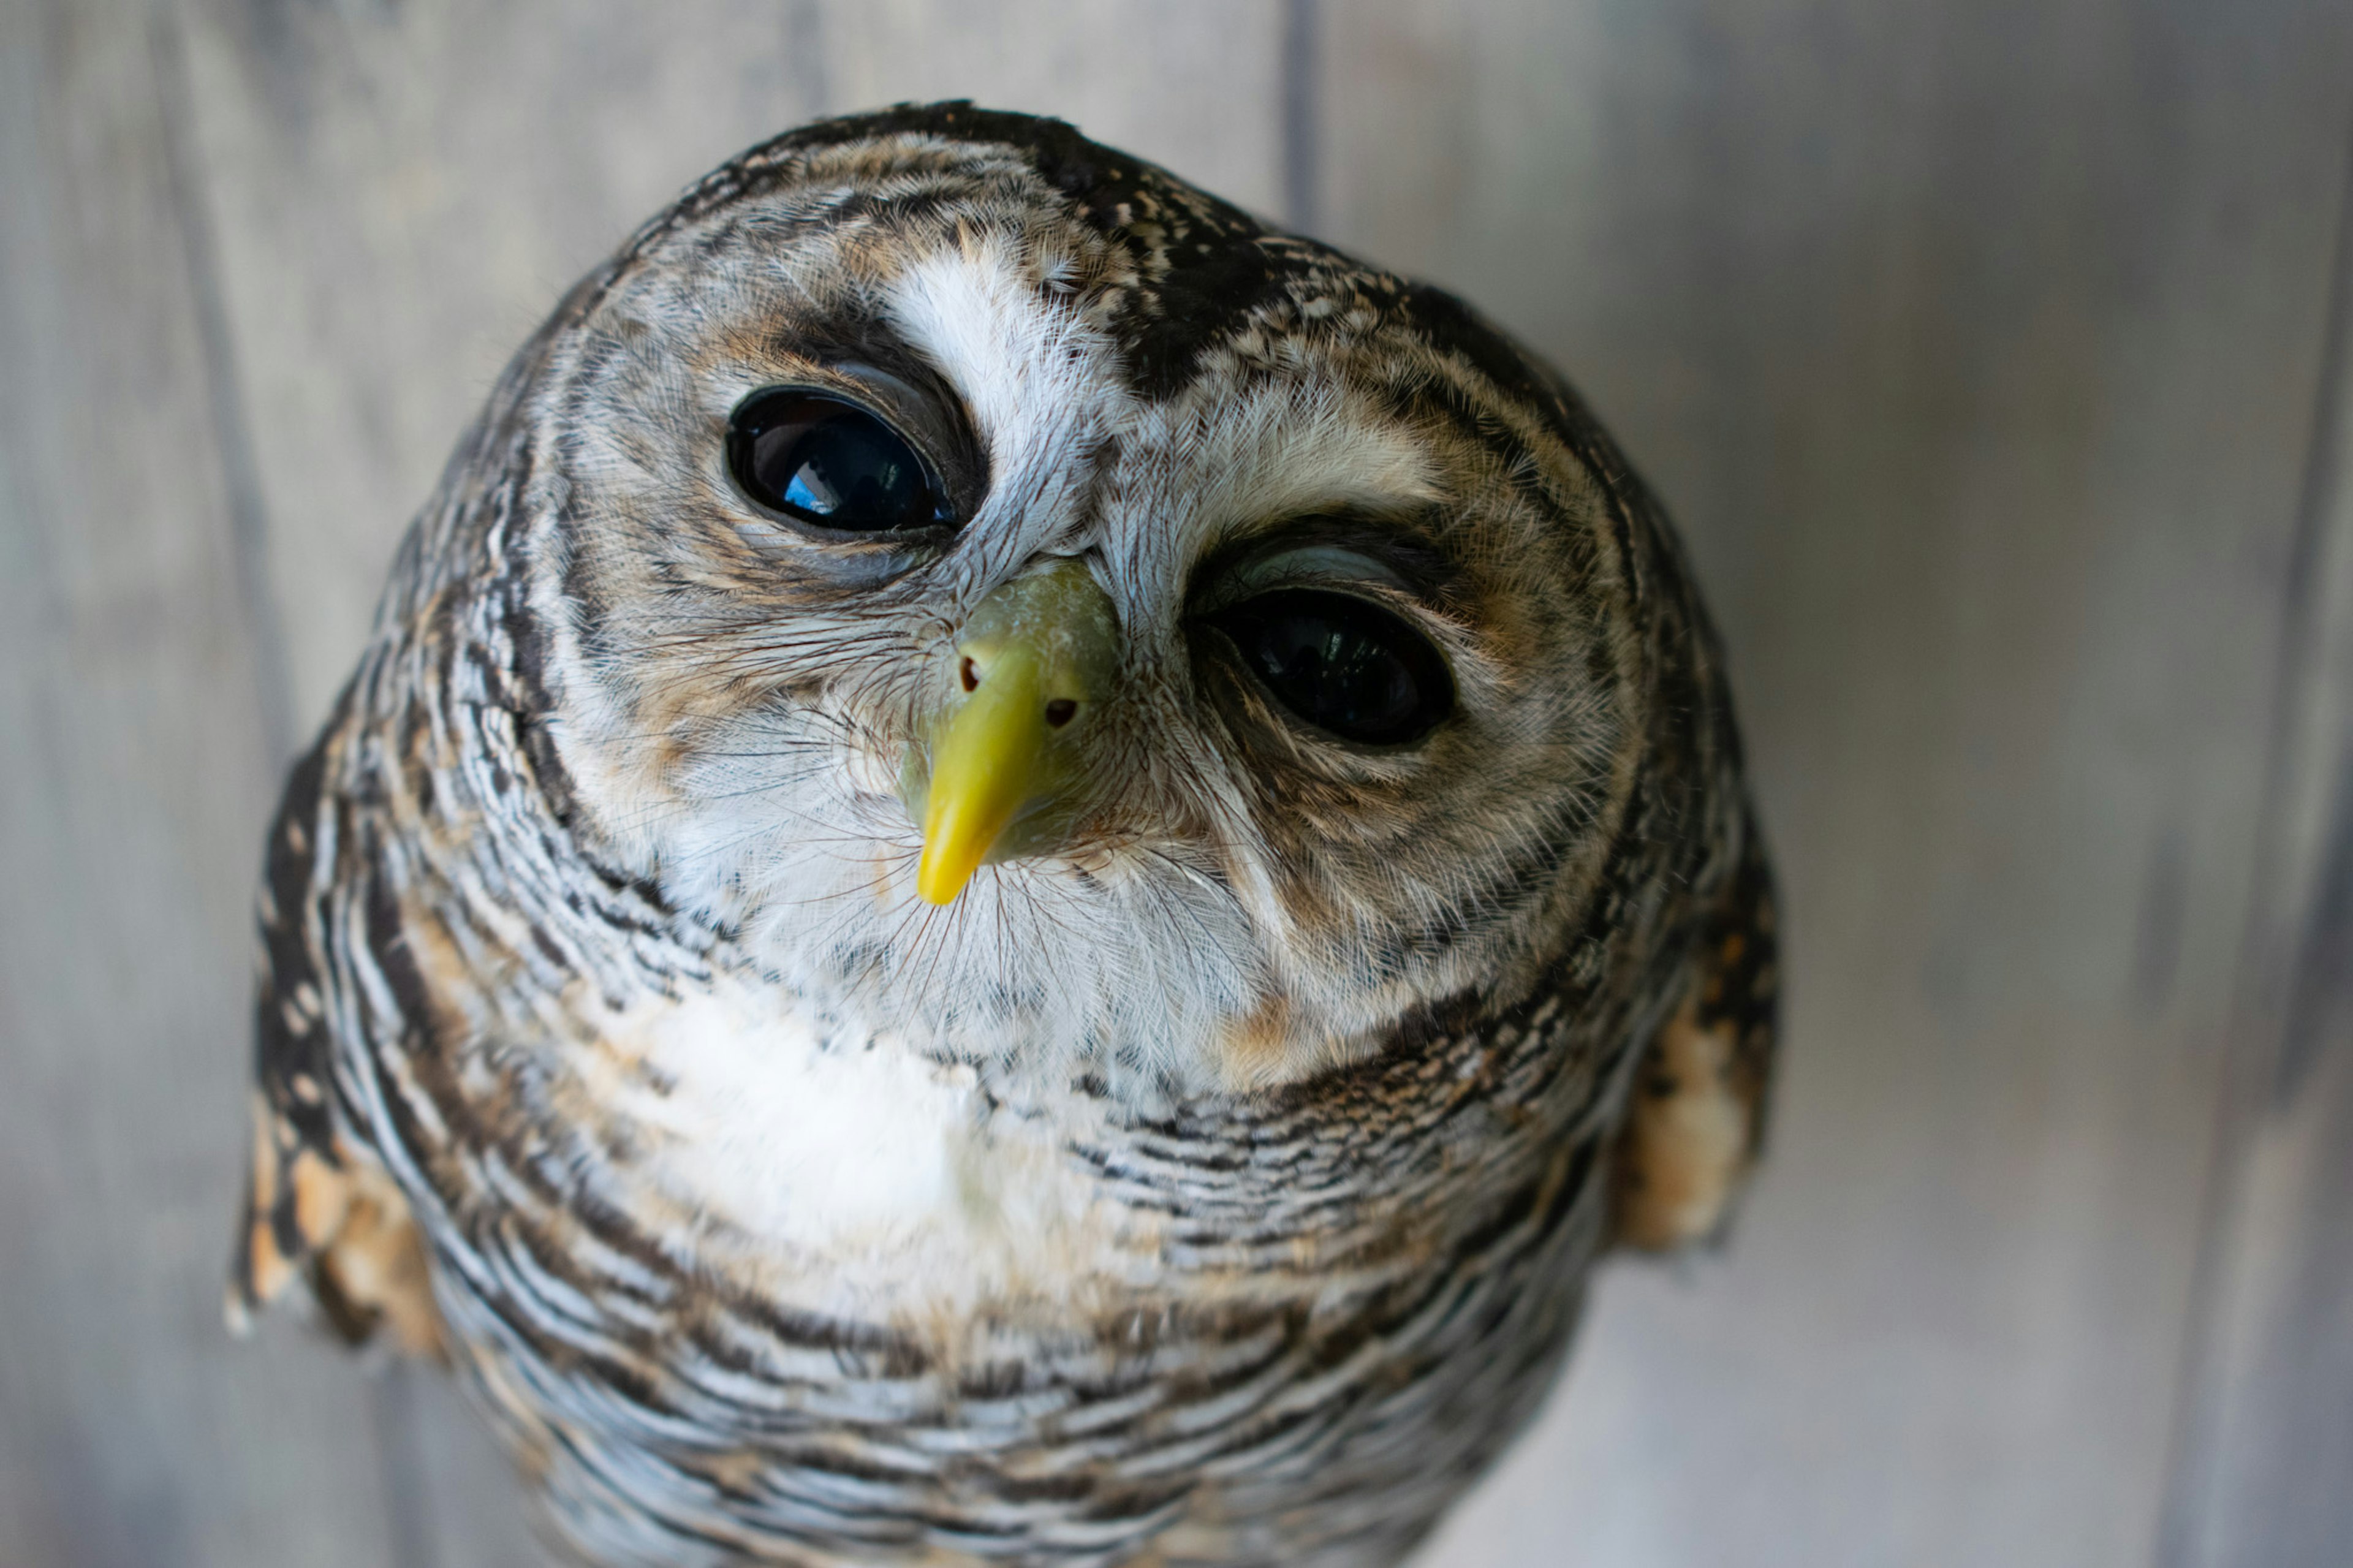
pixel 1312 565
pixel 898 402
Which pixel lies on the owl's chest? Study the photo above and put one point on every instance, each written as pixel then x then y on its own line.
pixel 843 1167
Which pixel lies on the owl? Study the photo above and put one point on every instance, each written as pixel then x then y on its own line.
pixel 1019 873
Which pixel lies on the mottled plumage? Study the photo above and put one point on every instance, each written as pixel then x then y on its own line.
pixel 1215 1180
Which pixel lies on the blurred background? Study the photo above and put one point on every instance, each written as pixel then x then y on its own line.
pixel 1990 353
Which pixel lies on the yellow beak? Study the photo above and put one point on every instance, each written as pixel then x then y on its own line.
pixel 1035 659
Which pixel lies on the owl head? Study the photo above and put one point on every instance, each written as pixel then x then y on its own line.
pixel 1036 610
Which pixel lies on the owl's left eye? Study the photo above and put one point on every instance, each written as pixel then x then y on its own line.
pixel 827 460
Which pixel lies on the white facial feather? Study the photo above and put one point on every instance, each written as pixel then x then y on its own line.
pixel 1040 385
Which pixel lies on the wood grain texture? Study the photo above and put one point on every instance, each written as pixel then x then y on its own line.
pixel 2266 1434
pixel 1975 348
pixel 135 775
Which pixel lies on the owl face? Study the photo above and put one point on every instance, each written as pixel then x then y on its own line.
pixel 1327 710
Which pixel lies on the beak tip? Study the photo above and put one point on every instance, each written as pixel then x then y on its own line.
pixel 939 884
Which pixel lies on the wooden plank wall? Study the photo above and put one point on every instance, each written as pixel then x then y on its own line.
pixel 135 773
pixel 2266 1425
pixel 1985 349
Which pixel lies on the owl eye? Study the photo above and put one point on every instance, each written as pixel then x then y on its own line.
pixel 1342 663
pixel 826 461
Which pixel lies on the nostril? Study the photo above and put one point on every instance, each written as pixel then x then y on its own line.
pixel 968 675
pixel 1060 711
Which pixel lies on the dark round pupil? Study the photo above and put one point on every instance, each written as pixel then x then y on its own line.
pixel 1343 664
pixel 831 462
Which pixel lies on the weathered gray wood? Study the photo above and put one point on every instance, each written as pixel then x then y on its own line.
pixel 2267 1441
pixel 1975 346
pixel 133 781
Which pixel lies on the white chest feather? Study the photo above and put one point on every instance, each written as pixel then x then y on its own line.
pixel 850 1165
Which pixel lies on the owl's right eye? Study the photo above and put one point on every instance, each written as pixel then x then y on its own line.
pixel 1343 664
pixel 827 460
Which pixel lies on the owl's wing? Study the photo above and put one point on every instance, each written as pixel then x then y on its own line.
pixel 316 1206
pixel 1696 1123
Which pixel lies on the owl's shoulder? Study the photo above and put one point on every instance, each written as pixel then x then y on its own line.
pixel 318 1206
pixel 1696 1123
